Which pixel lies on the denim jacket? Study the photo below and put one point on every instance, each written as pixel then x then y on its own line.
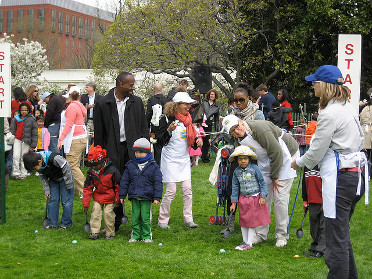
pixel 248 182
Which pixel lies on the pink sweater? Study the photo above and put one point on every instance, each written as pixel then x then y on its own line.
pixel 75 114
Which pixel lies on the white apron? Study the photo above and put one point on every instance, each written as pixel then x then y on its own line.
pixel 69 137
pixel 328 172
pixel 175 160
pixel 263 159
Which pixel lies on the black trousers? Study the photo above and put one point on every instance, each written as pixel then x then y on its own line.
pixel 206 144
pixel 157 153
pixel 339 255
pixel 124 158
pixel 317 232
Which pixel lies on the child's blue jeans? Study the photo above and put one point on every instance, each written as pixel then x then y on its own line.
pixel 59 192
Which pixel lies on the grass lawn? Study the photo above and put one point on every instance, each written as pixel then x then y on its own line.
pixel 186 253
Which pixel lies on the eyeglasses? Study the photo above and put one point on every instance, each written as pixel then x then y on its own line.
pixel 240 100
pixel 36 90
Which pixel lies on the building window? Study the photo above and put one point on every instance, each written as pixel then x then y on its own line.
pixel 67 27
pixel 86 28
pixel 73 33
pixel 30 19
pixel 20 21
pixel 9 25
pixel 93 28
pixel 80 27
pixel 41 19
pixel 1 21
pixel 54 20
pixel 60 22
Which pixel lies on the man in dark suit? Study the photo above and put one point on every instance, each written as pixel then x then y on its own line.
pixel 153 116
pixel 89 100
pixel 119 120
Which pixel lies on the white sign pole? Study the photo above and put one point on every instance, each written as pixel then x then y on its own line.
pixel 349 62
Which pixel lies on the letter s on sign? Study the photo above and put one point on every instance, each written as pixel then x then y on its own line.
pixel 349 49
pixel 2 57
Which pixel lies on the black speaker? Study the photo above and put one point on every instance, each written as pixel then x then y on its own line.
pixel 203 78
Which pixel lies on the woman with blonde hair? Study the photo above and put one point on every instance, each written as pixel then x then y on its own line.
pixel 176 134
pixel 336 146
pixel 32 93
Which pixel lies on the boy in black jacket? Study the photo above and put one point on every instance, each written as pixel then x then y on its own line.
pixel 58 183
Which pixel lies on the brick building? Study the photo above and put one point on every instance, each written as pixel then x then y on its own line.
pixel 66 28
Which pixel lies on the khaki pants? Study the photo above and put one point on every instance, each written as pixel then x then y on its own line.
pixel 90 130
pixel 73 158
pixel 108 218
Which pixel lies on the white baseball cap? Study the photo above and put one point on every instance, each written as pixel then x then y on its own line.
pixel 183 97
pixel 228 122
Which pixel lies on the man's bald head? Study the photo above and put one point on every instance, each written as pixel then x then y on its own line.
pixel 158 88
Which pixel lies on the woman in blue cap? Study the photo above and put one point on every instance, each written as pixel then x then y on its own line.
pixel 336 147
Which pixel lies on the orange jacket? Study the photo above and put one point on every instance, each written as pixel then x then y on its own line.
pixel 310 131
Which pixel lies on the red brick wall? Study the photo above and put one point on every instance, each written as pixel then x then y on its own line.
pixel 64 51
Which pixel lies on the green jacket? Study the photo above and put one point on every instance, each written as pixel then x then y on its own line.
pixel 267 135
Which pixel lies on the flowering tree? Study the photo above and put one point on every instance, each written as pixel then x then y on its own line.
pixel 28 61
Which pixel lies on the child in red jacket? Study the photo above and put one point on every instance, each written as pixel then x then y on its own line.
pixel 102 181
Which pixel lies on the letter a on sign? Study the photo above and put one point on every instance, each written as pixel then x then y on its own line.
pixel 349 62
pixel 5 85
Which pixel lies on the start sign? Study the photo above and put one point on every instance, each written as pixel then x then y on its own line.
pixel 349 62
pixel 5 82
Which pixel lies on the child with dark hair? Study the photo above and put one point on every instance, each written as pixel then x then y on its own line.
pixel 43 136
pixel 24 129
pixel 58 184
pixel 102 182
pixel 142 181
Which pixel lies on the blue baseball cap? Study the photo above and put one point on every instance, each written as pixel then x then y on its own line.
pixel 45 95
pixel 326 73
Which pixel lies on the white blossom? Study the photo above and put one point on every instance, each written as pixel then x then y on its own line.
pixel 28 61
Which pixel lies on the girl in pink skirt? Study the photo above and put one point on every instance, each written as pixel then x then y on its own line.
pixel 249 189
pixel 195 152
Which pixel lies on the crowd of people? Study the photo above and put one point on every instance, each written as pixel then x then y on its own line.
pixel 134 150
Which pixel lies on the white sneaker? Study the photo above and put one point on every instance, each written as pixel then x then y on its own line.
pixel 147 240
pixel 163 225
pixel 257 240
pixel 132 240
pixel 281 242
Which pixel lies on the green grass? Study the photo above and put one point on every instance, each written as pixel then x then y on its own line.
pixel 186 253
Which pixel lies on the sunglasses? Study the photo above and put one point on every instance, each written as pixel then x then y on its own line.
pixel 240 100
pixel 36 90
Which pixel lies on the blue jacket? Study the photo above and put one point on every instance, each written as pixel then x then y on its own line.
pixel 146 184
pixel 248 182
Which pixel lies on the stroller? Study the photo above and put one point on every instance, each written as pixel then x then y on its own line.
pixel 222 182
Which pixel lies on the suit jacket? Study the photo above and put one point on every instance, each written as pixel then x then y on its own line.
pixel 107 128
pixel 85 101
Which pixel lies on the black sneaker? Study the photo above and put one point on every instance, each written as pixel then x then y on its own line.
pixel 308 252
pixel 94 236
pixel 315 255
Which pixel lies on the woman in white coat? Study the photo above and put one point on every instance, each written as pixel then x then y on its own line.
pixel 176 134
pixel 336 147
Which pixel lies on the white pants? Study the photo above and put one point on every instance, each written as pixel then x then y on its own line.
pixel 164 210
pixel 19 149
pixel 281 202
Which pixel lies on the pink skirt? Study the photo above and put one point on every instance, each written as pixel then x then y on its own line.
pixel 251 214
pixel 195 152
